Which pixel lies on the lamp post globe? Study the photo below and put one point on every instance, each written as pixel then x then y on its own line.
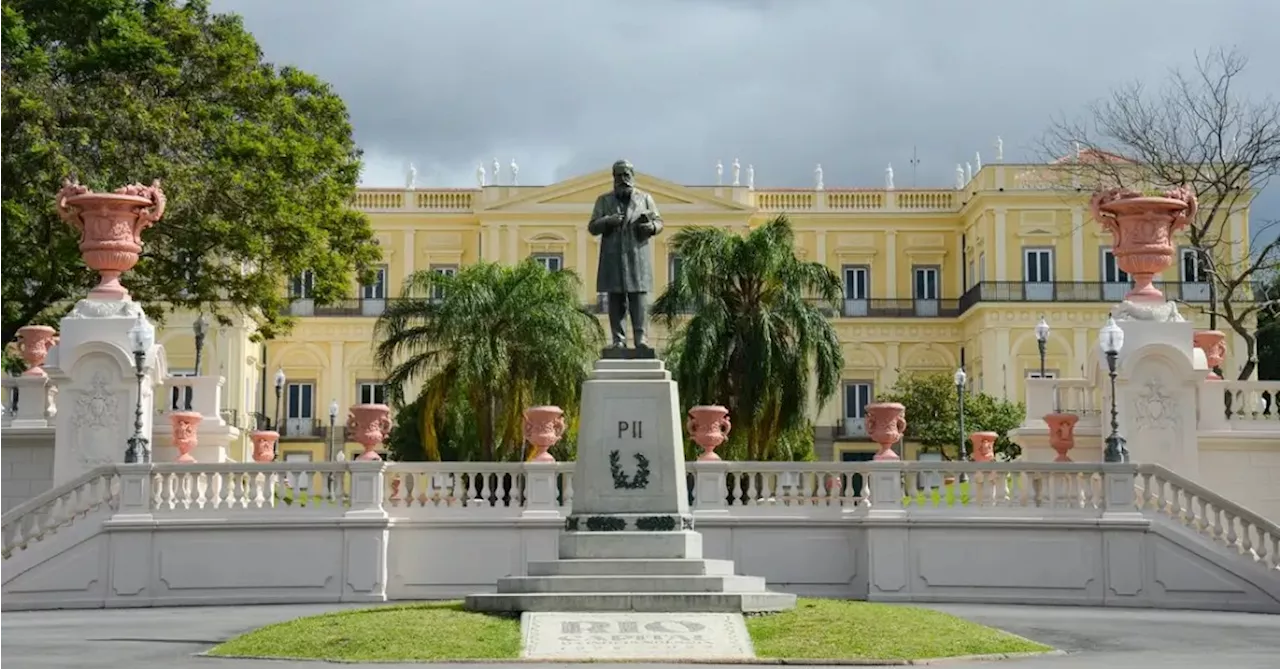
pixel 1042 341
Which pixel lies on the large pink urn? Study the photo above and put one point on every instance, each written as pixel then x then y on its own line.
pixel 1142 231
pixel 984 446
pixel 709 426
pixel 1062 433
pixel 543 427
pixel 368 425
pixel 264 444
pixel 1214 345
pixel 185 424
pixel 34 342
pixel 110 227
pixel 886 423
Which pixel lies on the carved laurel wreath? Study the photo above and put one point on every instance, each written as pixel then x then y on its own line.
pixel 620 478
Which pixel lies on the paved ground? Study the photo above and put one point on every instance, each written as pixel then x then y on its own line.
pixel 1094 638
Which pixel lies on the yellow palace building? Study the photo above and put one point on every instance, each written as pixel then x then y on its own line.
pixel 934 279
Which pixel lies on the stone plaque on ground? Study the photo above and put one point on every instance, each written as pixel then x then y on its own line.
pixel 638 636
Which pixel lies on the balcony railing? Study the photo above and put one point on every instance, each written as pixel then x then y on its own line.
pixel 1074 291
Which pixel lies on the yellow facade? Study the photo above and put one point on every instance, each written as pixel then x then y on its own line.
pixel 934 278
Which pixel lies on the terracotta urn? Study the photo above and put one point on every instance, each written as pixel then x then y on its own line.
pixel 984 446
pixel 264 444
pixel 110 227
pixel 1062 433
pixel 1214 345
pixel 185 424
pixel 34 342
pixel 543 427
pixel 369 425
pixel 1142 230
pixel 709 427
pixel 886 424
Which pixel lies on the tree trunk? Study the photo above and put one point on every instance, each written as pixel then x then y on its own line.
pixel 1251 352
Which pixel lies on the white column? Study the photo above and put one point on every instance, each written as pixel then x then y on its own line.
pixel 1000 235
pixel 580 251
pixel 513 243
pixel 410 253
pixel 337 384
pixel 1077 245
pixel 891 264
pixel 820 246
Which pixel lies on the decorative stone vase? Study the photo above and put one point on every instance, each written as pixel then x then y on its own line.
pixel 369 425
pixel 1214 345
pixel 1062 433
pixel 543 427
pixel 886 424
pixel 1142 230
pixel 34 342
pixel 264 444
pixel 984 446
pixel 185 424
pixel 110 227
pixel 709 427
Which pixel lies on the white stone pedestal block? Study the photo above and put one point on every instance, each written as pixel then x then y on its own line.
pixel 93 369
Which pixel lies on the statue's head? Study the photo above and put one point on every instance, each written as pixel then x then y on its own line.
pixel 624 178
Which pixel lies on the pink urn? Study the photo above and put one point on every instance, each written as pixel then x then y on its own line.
pixel 1142 231
pixel 709 426
pixel 185 424
pixel 110 227
pixel 543 427
pixel 368 425
pixel 1062 433
pixel 264 444
pixel 984 446
pixel 34 342
pixel 1214 345
pixel 886 424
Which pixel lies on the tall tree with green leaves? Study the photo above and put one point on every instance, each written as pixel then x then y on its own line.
pixel 933 414
pixel 748 329
pixel 258 162
pixel 496 337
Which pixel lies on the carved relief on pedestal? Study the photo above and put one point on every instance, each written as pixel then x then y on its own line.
pixel 97 415
pixel 1154 408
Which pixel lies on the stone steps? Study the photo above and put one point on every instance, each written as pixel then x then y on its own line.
pixel 655 602
pixel 685 544
pixel 623 583
pixel 641 567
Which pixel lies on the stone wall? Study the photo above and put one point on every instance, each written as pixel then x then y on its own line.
pixel 27 463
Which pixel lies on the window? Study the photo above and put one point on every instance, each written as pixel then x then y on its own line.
pixel 1111 272
pixel 371 392
pixel 437 292
pixel 180 396
pixel 926 283
pixel 1048 374
pixel 299 409
pixel 857 286
pixel 857 395
pixel 1037 265
pixel 674 265
pixel 300 286
pixel 1193 267
pixel 554 262
pixel 378 289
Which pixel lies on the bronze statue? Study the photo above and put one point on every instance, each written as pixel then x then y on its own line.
pixel 625 219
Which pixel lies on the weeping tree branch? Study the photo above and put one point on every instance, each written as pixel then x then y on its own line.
pixel 1197 131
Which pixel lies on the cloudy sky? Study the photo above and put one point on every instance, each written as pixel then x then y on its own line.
pixel 564 87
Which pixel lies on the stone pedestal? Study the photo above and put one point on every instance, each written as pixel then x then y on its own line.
pixel 215 435
pixel 35 407
pixel 1158 375
pixel 93 369
pixel 630 543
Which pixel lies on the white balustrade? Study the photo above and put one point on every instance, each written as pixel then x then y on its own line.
pixel 495 488
pixel 280 487
pixel 48 513
pixel 1249 405
pixel 761 486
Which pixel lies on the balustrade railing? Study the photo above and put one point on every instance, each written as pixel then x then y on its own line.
pixel 48 513
pixel 1248 402
pixel 476 487
pixel 302 487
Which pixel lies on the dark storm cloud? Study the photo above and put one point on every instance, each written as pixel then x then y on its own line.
pixel 566 86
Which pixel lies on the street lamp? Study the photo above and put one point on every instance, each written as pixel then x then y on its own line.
pixel 200 327
pixel 1042 340
pixel 333 421
pixel 142 336
pixel 960 378
pixel 280 379
pixel 1110 341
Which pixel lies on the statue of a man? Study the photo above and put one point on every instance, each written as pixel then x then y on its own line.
pixel 625 219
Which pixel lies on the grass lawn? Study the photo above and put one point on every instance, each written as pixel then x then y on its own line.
pixel 815 629
pixel 950 494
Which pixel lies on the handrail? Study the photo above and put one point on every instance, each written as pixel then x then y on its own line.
pixel 16 513
pixel 1217 500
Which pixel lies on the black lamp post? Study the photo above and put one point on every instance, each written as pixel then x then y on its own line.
pixel 1042 340
pixel 142 336
pixel 333 421
pixel 280 379
pixel 960 378
pixel 1111 340
pixel 200 328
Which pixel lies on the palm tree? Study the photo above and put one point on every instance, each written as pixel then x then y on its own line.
pixel 497 337
pixel 757 333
